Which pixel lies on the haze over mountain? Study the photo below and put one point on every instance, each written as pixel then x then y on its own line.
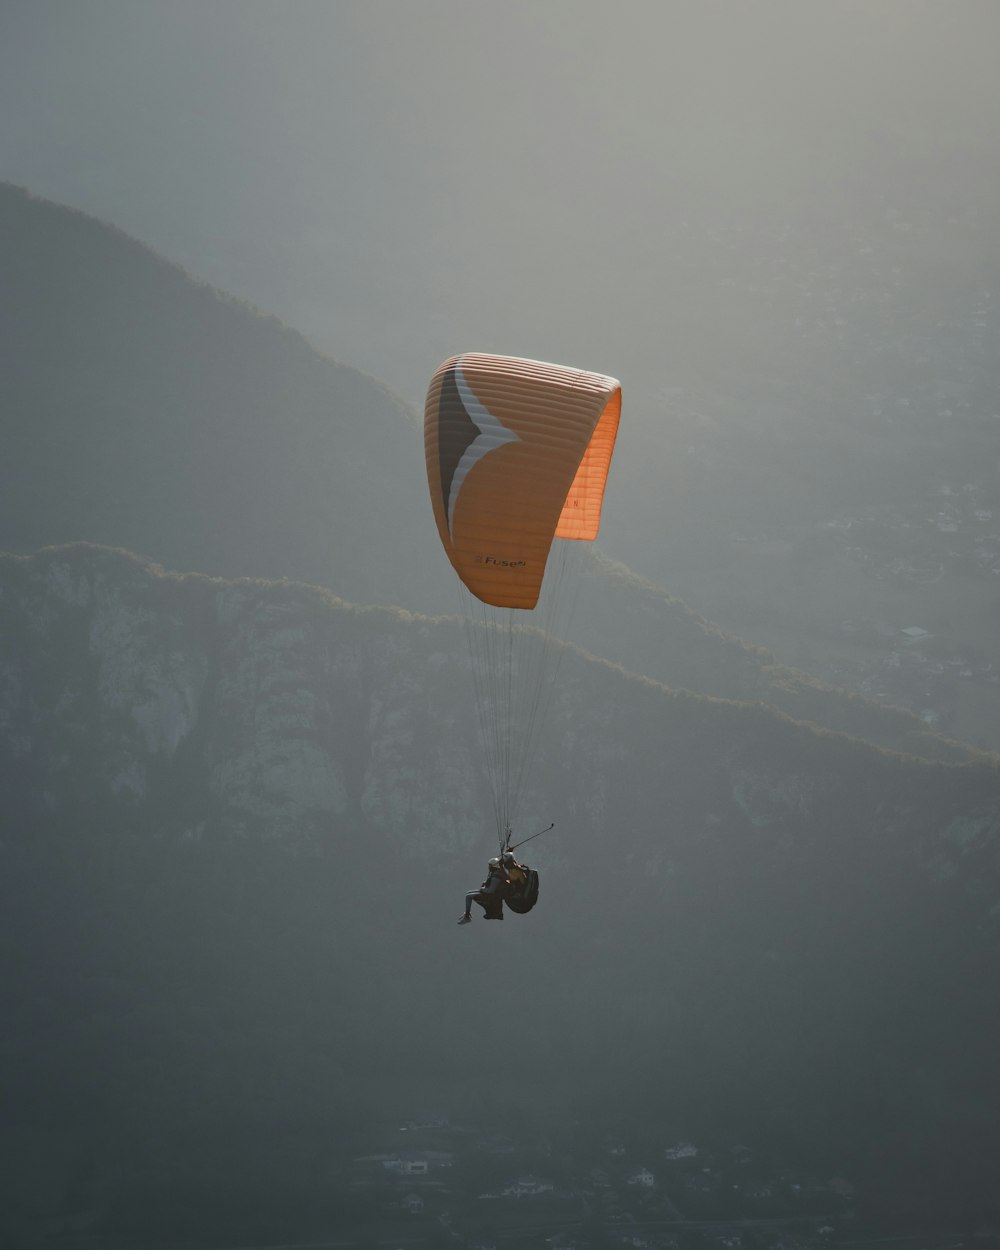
pixel 395 191
pixel 775 223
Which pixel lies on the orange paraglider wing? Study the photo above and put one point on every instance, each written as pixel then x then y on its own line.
pixel 518 453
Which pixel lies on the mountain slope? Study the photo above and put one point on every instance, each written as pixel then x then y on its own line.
pixel 240 818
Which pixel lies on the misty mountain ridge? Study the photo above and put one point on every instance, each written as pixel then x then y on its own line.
pixel 826 475
pixel 257 456
pixel 250 807
pixel 147 408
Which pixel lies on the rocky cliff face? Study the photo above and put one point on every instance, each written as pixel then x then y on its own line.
pixel 196 707
pixel 191 705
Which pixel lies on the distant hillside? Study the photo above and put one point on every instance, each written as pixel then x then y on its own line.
pixel 628 619
pixel 239 818
pixel 145 410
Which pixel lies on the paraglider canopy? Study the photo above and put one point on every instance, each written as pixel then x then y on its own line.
pixel 517 454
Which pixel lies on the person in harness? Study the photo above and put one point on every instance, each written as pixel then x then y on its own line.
pixel 489 896
pixel 506 880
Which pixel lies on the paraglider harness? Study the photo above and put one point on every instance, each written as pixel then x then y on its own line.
pixel 521 895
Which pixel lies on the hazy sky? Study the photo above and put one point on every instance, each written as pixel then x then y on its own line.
pixel 407 178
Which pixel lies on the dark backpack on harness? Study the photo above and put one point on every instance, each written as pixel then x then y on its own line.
pixel 526 896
